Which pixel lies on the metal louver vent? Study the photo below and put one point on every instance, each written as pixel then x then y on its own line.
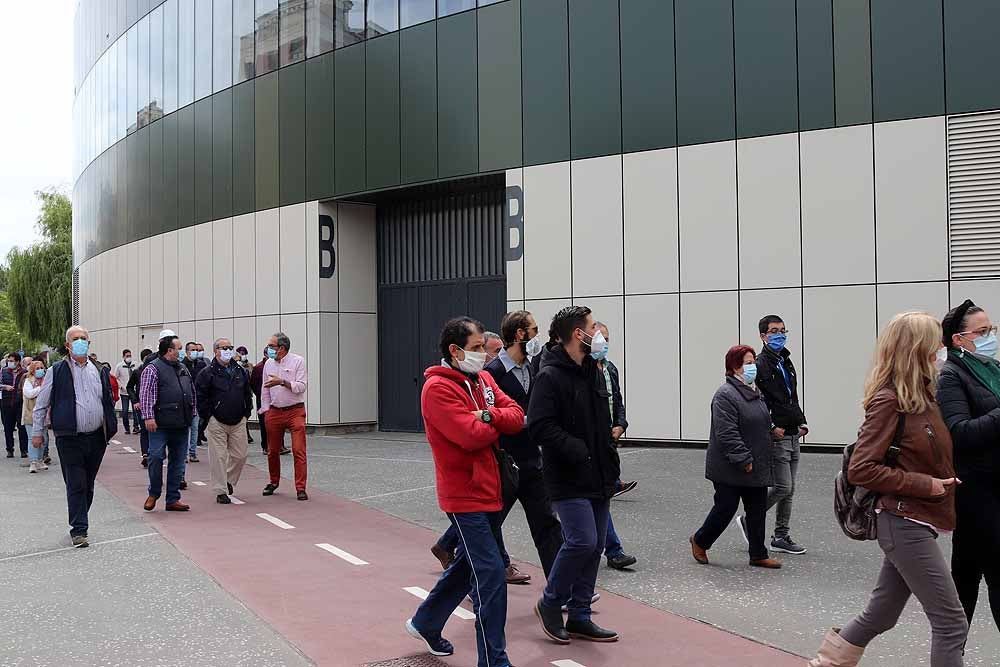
pixel 974 195
pixel 76 296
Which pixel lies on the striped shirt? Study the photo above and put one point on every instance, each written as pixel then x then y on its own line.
pixel 89 398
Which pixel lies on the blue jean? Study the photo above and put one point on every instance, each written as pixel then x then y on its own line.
pixel 38 453
pixel 612 545
pixel 574 573
pixel 477 571
pixel 193 438
pixel 169 444
pixel 449 542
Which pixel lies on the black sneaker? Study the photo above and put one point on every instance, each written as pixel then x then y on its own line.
pixel 184 485
pixel 10 454
pixel 47 460
pixel 223 499
pixel 435 645
pixel 80 542
pixel 144 462
pixel 270 489
pixel 552 622
pixel 621 562
pixel 787 545
pixel 590 631
pixel 301 495
pixel 625 488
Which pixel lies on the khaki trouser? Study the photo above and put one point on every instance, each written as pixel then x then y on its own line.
pixel 227 452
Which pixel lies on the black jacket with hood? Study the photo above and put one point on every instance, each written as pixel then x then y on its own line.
pixel 569 418
pixel 781 401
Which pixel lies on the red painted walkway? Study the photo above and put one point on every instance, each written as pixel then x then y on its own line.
pixel 344 615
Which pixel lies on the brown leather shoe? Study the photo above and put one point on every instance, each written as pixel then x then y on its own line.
pixel 768 563
pixel 700 555
pixel 515 576
pixel 177 507
pixel 443 556
pixel 149 504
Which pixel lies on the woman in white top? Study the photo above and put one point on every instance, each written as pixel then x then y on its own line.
pixel 33 380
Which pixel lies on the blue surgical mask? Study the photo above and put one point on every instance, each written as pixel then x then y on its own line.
pixel 272 353
pixel 80 347
pixel 39 373
pixel 180 355
pixel 750 373
pixel 11 364
pixel 776 341
pixel 986 345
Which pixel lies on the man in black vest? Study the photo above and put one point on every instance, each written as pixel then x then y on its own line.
pixel 166 397
pixel 83 419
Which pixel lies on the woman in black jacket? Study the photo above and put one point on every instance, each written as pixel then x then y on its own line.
pixel 738 461
pixel 969 397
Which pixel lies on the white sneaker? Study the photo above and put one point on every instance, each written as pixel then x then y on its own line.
pixel 42 465
pixel 33 466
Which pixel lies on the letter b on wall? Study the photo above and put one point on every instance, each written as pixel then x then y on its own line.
pixel 327 253
pixel 513 220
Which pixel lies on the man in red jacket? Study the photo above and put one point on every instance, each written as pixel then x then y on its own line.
pixel 464 414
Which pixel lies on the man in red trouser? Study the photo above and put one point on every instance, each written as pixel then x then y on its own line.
pixel 282 401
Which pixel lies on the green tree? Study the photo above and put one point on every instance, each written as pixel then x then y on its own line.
pixel 40 277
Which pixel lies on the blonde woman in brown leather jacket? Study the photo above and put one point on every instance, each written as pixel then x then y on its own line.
pixel 917 500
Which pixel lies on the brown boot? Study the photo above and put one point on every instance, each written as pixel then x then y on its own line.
pixel 768 563
pixel 177 506
pixel 835 651
pixel 149 504
pixel 443 556
pixel 515 576
pixel 700 555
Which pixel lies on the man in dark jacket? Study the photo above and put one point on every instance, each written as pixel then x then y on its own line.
pixel 570 419
pixel 224 404
pixel 778 384
pixel 193 361
pixel 11 383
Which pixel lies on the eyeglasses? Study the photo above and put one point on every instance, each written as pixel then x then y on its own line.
pixel 985 331
pixel 226 347
pixel 776 331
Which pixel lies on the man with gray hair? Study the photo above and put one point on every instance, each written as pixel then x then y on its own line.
pixel 223 391
pixel 78 391
pixel 282 402
pixel 494 343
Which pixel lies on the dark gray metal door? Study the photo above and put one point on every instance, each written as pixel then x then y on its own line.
pixel 440 256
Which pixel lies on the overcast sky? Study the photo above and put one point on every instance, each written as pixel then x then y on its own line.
pixel 36 106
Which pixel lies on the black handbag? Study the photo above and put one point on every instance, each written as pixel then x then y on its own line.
pixel 509 476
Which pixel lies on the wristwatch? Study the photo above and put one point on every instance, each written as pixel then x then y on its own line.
pixel 487 417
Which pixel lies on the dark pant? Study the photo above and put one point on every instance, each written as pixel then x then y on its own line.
pixel 976 544
pixel 169 444
pixel 477 571
pixel 263 431
pixel 125 406
pixel 11 417
pixel 574 572
pixel 612 543
pixel 143 433
pixel 80 458
pixel 727 501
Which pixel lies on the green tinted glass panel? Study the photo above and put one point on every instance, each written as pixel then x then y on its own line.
pixel 156 223
pixel 500 86
pixel 185 167
pixel 545 80
pixel 766 94
pixel 418 102
pixel 458 121
pixel 852 61
pixel 222 154
pixel 292 135
pixel 203 160
pixel 244 188
pixel 706 104
pixel 907 59
pixel 970 29
pixel 595 78
pixel 169 201
pixel 647 53
pixel 265 104
pixel 319 127
pixel 815 44
pixel 382 109
pixel 349 108
pixel 140 171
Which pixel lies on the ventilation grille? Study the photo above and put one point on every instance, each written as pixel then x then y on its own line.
pixel 76 296
pixel 974 195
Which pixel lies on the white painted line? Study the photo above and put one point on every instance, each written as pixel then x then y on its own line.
pixel 115 442
pixel 198 483
pixel 93 544
pixel 236 501
pixel 275 520
pixel 461 612
pixel 567 663
pixel 393 493
pixel 129 450
pixel 340 553
pixel 372 458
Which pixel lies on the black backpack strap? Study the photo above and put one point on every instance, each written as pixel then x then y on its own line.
pixel 892 454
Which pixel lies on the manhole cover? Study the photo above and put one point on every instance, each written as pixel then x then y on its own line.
pixel 411 661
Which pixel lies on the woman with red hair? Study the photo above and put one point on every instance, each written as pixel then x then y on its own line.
pixel 738 462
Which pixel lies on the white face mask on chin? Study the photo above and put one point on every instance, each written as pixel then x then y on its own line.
pixel 473 362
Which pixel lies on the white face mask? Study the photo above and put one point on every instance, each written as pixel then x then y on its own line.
pixel 473 362
pixel 534 346
pixel 226 355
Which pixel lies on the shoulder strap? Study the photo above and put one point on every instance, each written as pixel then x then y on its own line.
pixel 892 454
